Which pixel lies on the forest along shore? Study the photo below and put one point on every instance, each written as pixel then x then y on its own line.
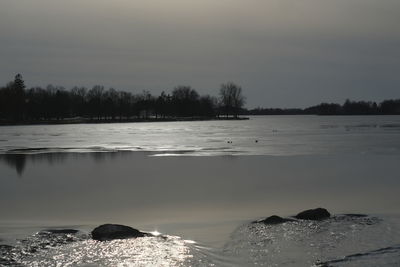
pixel 56 105
pixel 123 120
pixel 19 105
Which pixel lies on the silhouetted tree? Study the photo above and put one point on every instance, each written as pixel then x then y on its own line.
pixel 324 109
pixel 54 102
pixel 78 97
pixel 185 101
pixel 95 101
pixel 207 106
pixel 162 105
pixel 125 104
pixel 358 108
pixel 390 107
pixel 231 99
pixel 277 111
pixel 14 99
pixel 110 103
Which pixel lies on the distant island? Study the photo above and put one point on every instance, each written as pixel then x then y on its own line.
pixel 55 104
pixel 386 107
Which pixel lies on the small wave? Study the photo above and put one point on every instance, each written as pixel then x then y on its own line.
pixel 361 126
pixel 173 153
pixel 390 125
pixel 63 247
pixel 96 149
pixel 215 148
pixel 45 150
pixel 6 256
pixel 37 243
pixel 389 254
pixel 22 150
pixel 329 126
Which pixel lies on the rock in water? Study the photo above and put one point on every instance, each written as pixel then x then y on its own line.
pixel 115 231
pixel 274 219
pixel 313 214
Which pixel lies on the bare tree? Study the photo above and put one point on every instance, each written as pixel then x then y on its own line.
pixel 231 99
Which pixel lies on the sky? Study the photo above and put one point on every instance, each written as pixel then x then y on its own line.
pixel 284 53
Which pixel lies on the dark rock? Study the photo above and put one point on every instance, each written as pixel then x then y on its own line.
pixel 274 219
pixel 60 231
pixel 116 231
pixel 313 214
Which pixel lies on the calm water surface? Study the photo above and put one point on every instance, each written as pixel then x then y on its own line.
pixel 145 175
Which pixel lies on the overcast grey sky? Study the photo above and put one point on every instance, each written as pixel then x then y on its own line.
pixel 284 53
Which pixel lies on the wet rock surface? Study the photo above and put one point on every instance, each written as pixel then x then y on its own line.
pixel 274 219
pixel 318 215
pixel 341 240
pixel 38 242
pixel 107 232
pixel 313 214
pixel 60 231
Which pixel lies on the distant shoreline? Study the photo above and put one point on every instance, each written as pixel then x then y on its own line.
pixel 179 119
pixel 96 121
pixel 55 105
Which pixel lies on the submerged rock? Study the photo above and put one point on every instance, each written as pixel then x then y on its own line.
pixel 60 231
pixel 313 214
pixel 274 219
pixel 356 215
pixel 116 231
pixel 360 219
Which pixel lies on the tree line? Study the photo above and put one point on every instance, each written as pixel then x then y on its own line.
pixel 386 107
pixel 19 104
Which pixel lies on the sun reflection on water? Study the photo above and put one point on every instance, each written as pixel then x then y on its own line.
pixel 146 251
pixel 155 233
